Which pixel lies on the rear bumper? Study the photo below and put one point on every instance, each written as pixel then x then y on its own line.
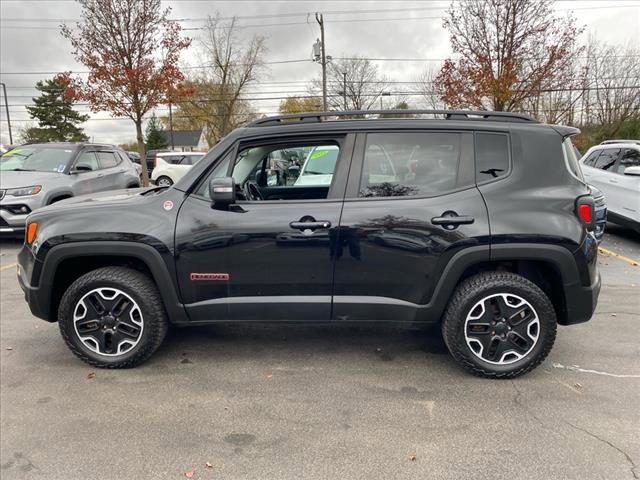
pixel 581 301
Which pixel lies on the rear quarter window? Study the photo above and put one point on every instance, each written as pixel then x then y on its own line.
pixel 492 156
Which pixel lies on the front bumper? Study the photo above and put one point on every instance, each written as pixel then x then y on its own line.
pixel 38 297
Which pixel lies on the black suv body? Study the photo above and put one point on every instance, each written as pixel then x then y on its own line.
pixel 479 221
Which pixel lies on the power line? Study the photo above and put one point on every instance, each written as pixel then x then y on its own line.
pixel 277 62
pixel 305 14
pixel 220 99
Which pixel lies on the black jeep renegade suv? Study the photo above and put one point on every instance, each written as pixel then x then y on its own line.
pixel 479 221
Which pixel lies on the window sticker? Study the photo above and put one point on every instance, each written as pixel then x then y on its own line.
pixel 319 153
pixel 60 168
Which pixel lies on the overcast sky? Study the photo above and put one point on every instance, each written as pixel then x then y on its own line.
pixel 30 42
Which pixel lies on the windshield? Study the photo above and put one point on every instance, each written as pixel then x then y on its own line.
pixel 321 161
pixel 36 159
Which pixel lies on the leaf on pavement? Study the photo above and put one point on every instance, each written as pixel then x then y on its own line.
pixel 189 474
pixel 412 458
pixel 91 375
pixel 208 465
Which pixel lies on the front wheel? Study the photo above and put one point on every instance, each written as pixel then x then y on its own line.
pixel 164 181
pixel 499 325
pixel 112 317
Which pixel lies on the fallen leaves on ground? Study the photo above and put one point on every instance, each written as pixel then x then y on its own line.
pixel 91 375
pixel 189 474
pixel 208 465
pixel 9 348
pixel 412 458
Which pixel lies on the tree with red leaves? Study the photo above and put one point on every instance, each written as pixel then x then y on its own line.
pixel 510 51
pixel 132 50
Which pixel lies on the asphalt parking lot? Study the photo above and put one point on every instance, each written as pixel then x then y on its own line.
pixel 265 402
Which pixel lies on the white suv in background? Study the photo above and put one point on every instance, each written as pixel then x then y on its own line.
pixel 614 168
pixel 171 166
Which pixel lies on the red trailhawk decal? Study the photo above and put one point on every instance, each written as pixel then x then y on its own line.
pixel 209 277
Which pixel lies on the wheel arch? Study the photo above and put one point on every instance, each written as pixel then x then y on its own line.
pixel 65 263
pixel 550 267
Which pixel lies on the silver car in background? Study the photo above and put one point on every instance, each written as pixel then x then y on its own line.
pixel 32 176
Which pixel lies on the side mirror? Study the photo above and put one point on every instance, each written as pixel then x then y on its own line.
pixel 222 191
pixel 635 170
pixel 81 167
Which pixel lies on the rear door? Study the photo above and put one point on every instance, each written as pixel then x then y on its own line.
pixel 411 205
pixel 270 256
pixel 85 180
pixel 112 170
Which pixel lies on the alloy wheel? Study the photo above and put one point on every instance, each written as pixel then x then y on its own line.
pixel 502 328
pixel 108 321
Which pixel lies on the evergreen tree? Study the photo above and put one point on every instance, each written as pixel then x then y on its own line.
pixel 57 120
pixel 156 139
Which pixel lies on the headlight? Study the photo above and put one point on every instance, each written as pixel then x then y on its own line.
pixel 24 191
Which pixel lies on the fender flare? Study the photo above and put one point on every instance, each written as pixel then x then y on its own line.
pixel 145 253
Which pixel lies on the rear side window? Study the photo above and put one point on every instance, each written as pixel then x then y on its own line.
pixel 492 156
pixel 107 159
pixel 607 159
pixel 410 164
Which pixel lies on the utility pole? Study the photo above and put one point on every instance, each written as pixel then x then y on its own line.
pixel 6 106
pixel 171 126
pixel 344 89
pixel 323 61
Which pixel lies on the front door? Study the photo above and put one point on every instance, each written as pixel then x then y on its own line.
pixel 411 205
pixel 269 256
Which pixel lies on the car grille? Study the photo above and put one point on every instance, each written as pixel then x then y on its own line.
pixel 3 222
pixel 599 202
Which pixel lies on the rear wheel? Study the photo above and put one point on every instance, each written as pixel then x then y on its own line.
pixel 499 324
pixel 112 317
pixel 164 181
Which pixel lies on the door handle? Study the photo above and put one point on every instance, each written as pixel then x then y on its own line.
pixel 613 181
pixel 450 220
pixel 310 225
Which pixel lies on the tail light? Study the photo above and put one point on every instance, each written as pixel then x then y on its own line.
pixel 155 161
pixel 585 210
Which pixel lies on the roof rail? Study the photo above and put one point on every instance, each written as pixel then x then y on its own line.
pixel 316 117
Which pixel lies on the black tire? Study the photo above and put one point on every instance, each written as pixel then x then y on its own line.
pixel 133 284
pixel 483 285
pixel 168 182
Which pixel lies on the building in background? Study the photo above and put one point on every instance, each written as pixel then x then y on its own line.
pixel 187 140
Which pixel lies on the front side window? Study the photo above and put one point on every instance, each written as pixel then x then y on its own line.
pixel 285 172
pixel 88 160
pixel 410 164
pixel 607 159
pixel 629 158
